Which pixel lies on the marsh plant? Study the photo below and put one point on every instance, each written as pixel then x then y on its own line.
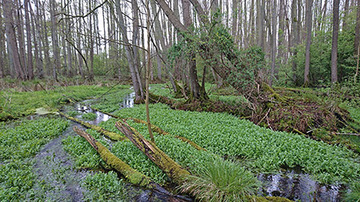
pixel 221 181
pixel 89 116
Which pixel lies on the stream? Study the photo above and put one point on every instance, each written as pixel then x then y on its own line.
pixel 54 167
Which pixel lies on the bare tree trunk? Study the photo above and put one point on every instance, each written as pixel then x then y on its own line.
pixel 37 44
pixel 294 33
pixel 357 29
pixel 334 50
pixel 46 42
pixel 129 54
pixel 135 48
pixel 11 40
pixel 21 39
pixel 91 44
pixel 234 17
pixel 30 67
pixel 273 42
pixel 195 87
pixel 2 46
pixel 54 38
pixel 308 21
pixel 78 10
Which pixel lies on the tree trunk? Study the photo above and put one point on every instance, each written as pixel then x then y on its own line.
pixel 11 38
pixel 308 21
pixel 273 42
pixel 163 161
pixel 37 44
pixel 2 46
pixel 28 38
pixel 54 38
pixel 129 54
pixel 21 39
pixel 357 29
pixel 334 50
pixel 195 87
pixel 134 176
pixel 45 42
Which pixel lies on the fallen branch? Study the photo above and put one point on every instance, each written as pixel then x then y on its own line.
pixel 163 161
pixel 155 129
pixel 355 134
pixel 109 134
pixel 134 176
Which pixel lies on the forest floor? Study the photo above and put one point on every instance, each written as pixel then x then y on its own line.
pixel 42 158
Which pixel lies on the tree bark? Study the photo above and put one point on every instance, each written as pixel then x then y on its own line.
pixel 129 54
pixel 308 21
pixel 11 38
pixel 37 41
pixel 134 176
pixel 55 41
pixel 165 163
pixel 30 67
pixel 334 50
pixel 357 29
pixel 21 39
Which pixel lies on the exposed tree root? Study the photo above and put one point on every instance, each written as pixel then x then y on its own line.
pixel 134 176
pixel 111 135
pixel 163 161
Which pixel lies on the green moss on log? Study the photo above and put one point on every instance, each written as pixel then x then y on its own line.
pixel 111 135
pixel 134 176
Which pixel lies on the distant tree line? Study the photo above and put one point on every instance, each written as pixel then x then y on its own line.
pixel 305 42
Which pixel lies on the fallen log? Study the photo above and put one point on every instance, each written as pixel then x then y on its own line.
pixel 155 129
pixel 109 134
pixel 134 176
pixel 163 161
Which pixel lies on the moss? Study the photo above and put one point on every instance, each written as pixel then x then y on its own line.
pixel 134 176
pixel 109 134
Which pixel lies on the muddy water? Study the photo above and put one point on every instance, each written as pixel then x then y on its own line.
pixel 298 186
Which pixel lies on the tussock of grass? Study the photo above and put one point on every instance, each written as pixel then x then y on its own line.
pixel 221 181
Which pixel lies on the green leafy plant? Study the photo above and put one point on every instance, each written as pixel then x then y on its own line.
pixel 221 181
pixel 89 116
pixel 105 186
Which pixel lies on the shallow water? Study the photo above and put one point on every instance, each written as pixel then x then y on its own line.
pixel 298 186
pixel 54 167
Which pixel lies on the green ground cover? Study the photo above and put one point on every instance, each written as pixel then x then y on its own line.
pixel 18 143
pixel 16 104
pixel 227 135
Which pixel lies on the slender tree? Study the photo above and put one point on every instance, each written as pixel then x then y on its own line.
pixel 29 63
pixel 308 20
pixel 334 50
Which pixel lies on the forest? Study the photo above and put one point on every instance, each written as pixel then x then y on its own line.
pixel 190 100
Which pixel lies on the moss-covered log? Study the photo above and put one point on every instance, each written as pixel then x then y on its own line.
pixel 155 129
pixel 109 134
pixel 134 176
pixel 165 163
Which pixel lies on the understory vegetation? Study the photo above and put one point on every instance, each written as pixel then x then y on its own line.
pixel 232 144
pixel 19 142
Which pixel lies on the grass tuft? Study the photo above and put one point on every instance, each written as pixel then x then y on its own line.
pixel 222 181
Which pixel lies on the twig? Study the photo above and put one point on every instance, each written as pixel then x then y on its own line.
pixel 354 134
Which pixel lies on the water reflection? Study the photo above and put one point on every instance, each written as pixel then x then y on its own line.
pixel 296 185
